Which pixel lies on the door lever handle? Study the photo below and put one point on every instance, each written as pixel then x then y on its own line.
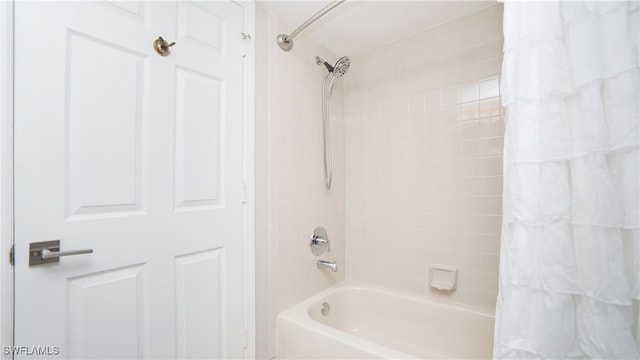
pixel 48 254
pixel 45 252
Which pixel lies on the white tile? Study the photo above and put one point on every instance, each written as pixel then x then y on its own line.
pixel 469 92
pixel 489 88
pixel 489 68
pixel 491 127
pixel 491 224
pixel 450 96
pixel 469 149
pixel 491 185
pixel 488 51
pixel 470 167
pixel 492 205
pixel 490 108
pixel 491 244
pixel 492 146
pixel 469 111
pixel 491 166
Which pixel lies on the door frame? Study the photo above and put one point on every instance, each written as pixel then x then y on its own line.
pixel 6 176
pixel 249 176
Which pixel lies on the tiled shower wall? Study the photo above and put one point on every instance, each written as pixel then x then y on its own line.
pixel 423 134
pixel 298 200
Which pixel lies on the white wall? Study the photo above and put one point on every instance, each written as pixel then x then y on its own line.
pixel 424 133
pixel 297 198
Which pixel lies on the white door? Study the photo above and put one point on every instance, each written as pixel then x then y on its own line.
pixel 138 157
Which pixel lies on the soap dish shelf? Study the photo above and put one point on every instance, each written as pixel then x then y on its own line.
pixel 443 277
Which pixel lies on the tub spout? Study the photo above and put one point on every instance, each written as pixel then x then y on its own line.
pixel 327 264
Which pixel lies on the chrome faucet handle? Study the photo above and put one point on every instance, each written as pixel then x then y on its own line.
pixel 319 241
pixel 322 242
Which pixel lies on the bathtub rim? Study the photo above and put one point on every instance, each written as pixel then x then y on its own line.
pixel 298 314
pixel 346 285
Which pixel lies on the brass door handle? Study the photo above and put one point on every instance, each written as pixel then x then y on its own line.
pixel 161 46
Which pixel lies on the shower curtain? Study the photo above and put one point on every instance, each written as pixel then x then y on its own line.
pixel 570 251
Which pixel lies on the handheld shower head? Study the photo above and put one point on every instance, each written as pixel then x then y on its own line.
pixel 336 71
pixel 339 69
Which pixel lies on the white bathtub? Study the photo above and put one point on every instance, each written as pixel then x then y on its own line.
pixel 366 323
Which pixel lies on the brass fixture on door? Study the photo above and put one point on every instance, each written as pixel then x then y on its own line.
pixel 161 46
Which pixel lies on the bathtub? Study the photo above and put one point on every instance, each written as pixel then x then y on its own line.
pixel 369 323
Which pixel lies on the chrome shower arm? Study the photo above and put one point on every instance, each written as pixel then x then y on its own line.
pixel 286 41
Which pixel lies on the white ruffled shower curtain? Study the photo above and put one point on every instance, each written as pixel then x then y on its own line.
pixel 570 252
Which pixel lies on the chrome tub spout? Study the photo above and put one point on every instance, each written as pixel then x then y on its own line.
pixel 327 264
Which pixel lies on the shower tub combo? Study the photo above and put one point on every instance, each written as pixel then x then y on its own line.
pixel 359 322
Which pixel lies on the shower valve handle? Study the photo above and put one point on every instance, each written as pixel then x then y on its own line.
pixel 319 241
pixel 322 242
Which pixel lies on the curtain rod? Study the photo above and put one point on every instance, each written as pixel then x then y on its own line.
pixel 286 41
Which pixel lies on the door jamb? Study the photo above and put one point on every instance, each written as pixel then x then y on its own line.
pixel 248 177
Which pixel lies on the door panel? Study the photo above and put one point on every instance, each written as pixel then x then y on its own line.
pixel 199 100
pixel 138 157
pixel 122 292
pixel 199 304
pixel 104 183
